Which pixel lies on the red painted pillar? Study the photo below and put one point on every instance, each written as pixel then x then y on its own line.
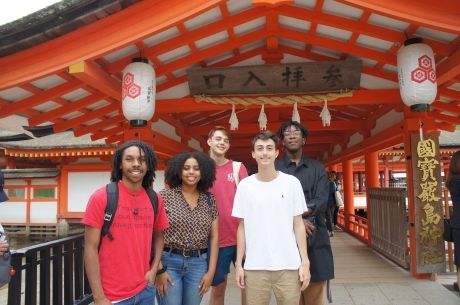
pixel 386 174
pixel 371 161
pixel 349 206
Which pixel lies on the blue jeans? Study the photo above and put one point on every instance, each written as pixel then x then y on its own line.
pixel 145 297
pixel 186 274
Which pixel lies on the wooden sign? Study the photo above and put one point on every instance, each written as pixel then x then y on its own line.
pixel 324 76
pixel 426 168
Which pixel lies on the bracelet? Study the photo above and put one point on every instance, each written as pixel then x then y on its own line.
pixel 162 270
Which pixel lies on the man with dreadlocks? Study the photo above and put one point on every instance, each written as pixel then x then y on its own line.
pixel 119 269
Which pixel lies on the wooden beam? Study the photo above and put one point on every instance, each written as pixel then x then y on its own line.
pixel 107 132
pixel 338 45
pixel 191 36
pixel 70 107
pixel 441 14
pixel 359 27
pixel 132 24
pixel 195 57
pixel 311 140
pixel 252 129
pixel 318 57
pixel 448 69
pixel 34 100
pixel 446 118
pixel 104 123
pixel 389 137
pixel 94 114
pixel 446 107
pixel 360 97
pixel 94 76
pixel 453 94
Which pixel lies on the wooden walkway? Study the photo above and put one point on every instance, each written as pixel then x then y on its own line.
pixel 364 277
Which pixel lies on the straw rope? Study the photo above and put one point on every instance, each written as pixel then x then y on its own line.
pixel 272 100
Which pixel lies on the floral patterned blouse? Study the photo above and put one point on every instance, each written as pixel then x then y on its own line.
pixel 189 228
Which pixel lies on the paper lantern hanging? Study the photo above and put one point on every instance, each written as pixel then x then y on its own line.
pixel 417 75
pixel 138 92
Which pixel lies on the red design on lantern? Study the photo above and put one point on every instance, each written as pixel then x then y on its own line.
pixel 424 71
pixel 129 88
pixel 418 75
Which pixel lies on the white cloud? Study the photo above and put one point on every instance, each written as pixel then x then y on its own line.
pixel 19 8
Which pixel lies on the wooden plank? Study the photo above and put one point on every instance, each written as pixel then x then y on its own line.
pixel 327 76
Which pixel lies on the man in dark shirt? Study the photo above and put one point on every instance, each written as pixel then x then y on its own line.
pixel 314 180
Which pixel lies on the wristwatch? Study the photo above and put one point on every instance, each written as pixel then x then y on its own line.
pixel 162 270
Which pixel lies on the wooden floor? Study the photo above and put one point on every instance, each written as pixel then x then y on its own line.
pixel 364 277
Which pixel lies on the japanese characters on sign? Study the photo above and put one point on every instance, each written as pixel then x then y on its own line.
pixel 272 79
pixel 428 206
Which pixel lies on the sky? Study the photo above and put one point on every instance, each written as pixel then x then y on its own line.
pixel 16 9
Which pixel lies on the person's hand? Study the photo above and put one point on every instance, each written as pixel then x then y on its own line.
pixel 304 276
pixel 150 276
pixel 239 272
pixel 3 247
pixel 309 227
pixel 205 283
pixel 161 283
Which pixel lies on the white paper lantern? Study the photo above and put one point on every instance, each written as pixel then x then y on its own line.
pixel 417 75
pixel 138 92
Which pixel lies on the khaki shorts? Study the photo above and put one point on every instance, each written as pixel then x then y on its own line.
pixel 285 284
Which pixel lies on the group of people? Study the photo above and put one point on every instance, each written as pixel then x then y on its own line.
pixel 271 225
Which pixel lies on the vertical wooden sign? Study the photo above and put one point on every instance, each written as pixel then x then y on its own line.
pixel 430 251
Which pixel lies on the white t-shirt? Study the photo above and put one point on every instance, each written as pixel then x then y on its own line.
pixel 268 210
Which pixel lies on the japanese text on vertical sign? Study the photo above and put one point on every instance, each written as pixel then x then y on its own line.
pixel 431 232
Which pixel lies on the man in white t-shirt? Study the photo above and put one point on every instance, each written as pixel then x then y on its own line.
pixel 271 233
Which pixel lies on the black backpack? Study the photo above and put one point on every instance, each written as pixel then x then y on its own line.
pixel 111 209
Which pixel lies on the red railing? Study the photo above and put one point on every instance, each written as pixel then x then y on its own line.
pixel 357 226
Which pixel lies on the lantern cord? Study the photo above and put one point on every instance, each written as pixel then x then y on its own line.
pixel 421 129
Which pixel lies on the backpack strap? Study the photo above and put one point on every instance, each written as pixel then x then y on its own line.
pixel 236 171
pixel 112 204
pixel 110 209
pixel 154 201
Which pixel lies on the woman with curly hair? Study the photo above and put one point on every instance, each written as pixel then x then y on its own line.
pixel 193 232
pixel 453 184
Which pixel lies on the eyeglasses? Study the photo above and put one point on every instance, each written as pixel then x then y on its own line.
pixel 292 133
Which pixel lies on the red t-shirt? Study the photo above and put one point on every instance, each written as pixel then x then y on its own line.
pixel 124 261
pixel 224 189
